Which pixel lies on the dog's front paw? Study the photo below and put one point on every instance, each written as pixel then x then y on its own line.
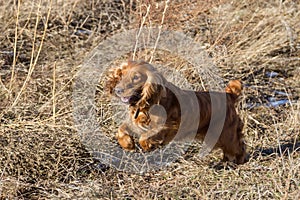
pixel 126 141
pixel 145 144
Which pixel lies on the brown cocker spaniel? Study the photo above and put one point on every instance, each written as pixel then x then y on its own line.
pixel 140 86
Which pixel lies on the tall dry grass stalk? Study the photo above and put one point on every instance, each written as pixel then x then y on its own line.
pixel 34 58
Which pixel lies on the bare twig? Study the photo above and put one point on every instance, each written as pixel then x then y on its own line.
pixel 15 47
pixel 159 29
pixel 140 30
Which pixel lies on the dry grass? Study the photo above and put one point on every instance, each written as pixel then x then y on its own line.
pixel 42 47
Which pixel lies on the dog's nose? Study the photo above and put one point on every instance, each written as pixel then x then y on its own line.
pixel 119 91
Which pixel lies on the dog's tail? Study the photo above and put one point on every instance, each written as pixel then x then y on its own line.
pixel 234 87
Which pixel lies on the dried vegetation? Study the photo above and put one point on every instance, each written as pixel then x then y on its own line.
pixel 43 44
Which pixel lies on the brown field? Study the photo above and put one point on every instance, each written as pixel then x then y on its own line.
pixel 44 44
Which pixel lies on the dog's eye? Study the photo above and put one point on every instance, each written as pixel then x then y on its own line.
pixel 135 78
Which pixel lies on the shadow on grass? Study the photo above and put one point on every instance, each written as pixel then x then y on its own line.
pixel 283 149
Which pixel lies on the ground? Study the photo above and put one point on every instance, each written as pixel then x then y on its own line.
pixel 45 43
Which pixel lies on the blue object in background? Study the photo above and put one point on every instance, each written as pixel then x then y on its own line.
pixel 271 74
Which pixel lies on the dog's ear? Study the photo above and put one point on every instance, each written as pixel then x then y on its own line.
pixel 154 87
pixel 114 76
pixel 234 87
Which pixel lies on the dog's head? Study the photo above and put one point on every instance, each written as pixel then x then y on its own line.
pixel 136 82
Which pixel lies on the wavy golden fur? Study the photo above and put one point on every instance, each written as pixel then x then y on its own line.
pixel 139 85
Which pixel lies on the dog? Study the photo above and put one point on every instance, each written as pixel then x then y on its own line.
pixel 156 112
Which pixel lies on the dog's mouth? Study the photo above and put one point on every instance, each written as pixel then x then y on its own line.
pixel 131 99
pixel 125 99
